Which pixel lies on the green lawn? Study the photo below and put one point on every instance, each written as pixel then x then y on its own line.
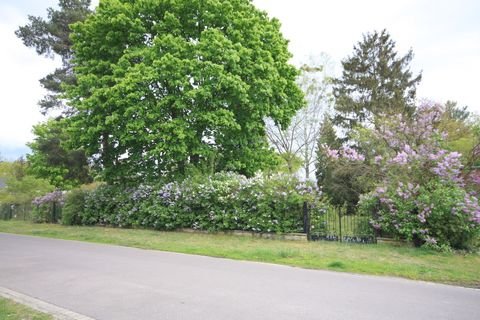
pixel 10 310
pixel 381 259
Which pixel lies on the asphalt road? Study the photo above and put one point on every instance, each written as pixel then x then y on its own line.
pixel 116 283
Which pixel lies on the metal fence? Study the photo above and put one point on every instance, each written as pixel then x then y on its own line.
pixel 336 225
pixel 50 213
pixel 16 211
pixel 332 225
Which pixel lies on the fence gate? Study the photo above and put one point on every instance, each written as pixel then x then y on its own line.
pixel 336 225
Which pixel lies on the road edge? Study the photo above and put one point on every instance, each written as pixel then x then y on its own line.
pixel 58 313
pixel 280 265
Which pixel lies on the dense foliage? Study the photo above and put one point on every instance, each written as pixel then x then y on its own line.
pixel 422 194
pixel 225 201
pixel 164 85
pixel 47 208
pixel 53 159
pixel 20 187
pixel 74 207
pixel 376 82
pixel 437 214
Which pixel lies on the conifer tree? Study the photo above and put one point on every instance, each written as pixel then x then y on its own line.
pixel 51 37
pixel 375 81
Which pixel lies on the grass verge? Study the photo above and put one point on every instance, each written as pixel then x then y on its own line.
pixel 10 310
pixel 380 259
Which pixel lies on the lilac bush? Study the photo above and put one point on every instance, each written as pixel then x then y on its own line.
pixel 49 198
pixel 224 201
pixel 47 208
pixel 344 152
pixel 434 213
pixel 421 196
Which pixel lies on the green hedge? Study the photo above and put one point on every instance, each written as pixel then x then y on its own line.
pixel 225 201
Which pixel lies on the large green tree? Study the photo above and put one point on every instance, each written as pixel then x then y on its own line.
pixel 163 85
pixel 51 37
pixel 53 159
pixel 375 81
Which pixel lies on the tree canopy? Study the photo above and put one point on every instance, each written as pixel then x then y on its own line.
pixel 20 187
pixel 375 81
pixel 53 159
pixel 164 85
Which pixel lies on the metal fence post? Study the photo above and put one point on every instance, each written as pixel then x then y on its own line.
pixel 340 222
pixel 54 209
pixel 306 219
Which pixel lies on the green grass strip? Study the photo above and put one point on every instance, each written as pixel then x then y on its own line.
pixel 10 310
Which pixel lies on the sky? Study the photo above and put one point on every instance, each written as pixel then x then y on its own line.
pixel 443 34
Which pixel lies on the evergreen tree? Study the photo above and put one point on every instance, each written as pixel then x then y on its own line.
pixel 52 37
pixel 51 157
pixel 375 81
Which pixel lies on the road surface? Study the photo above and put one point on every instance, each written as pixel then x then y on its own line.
pixel 118 283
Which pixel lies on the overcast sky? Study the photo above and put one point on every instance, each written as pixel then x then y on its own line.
pixel 444 35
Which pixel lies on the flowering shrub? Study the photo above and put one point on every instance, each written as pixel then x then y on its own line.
pixel 47 208
pixel 344 152
pixel 422 196
pixel 55 196
pixel 224 201
pixel 434 213
pixel 473 180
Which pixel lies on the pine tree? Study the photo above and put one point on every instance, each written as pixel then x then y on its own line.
pixel 51 37
pixel 51 156
pixel 375 81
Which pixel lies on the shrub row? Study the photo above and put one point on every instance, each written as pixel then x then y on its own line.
pixel 225 201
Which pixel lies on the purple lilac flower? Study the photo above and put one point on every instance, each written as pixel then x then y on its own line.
pixel 448 167
pixel 380 190
pixel 430 240
pixel 378 159
pixel 351 154
pixel 331 153
pixel 375 225
pixel 401 158
pixel 55 196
